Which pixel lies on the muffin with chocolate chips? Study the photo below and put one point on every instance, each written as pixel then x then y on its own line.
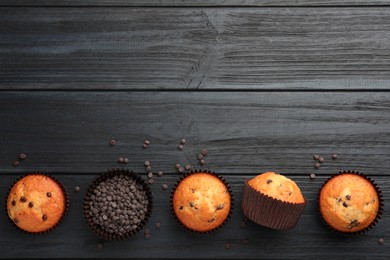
pixel 117 204
pixel 36 203
pixel 350 202
pixel 273 200
pixel 201 201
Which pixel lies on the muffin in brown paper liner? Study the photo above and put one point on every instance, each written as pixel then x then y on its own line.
pixel 268 211
pixel 228 189
pixel 100 231
pixel 372 224
pixel 66 203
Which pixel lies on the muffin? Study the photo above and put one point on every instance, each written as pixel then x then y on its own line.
pixel 36 203
pixel 117 204
pixel 201 201
pixel 273 200
pixel 349 202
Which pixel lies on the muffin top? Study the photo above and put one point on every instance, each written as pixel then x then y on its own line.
pixel 201 202
pixel 278 187
pixel 36 203
pixel 349 202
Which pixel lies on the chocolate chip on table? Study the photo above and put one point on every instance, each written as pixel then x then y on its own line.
pixel 312 176
pixel 204 152
pixel 150 175
pixel 22 156
pixel 76 188
pixel 181 169
pixel 202 162
pixel 147 231
pixel 164 186
pixel 158 225
pixel 147 142
pixel 16 163
pixel 381 240
pixel 125 160
pixel 188 167
pixel 44 217
pixel 160 173
pixel 183 141
pixel 120 160
pixel 321 160
pixel 180 147
pixel 146 163
pixel 147 236
pixel 112 142
pixel 150 181
pixel 48 194
pixel 145 146
pixel 317 165
pixel 148 168
pixel 177 166
pixel 316 157
pixel 200 156
pixel 334 156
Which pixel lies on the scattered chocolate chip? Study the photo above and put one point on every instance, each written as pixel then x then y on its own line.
pixel 200 156
pixel 321 160
pixel 147 142
pixel 31 204
pixel 269 181
pixel 16 163
pixel 100 246
pixel 76 188
pixel 125 160
pixel 202 162
pixel 183 141
pixel 181 207
pixel 145 146
pixel 348 197
pixel 192 204
pixel 120 160
pixel 181 169
pixel 23 199
pixel 147 231
pixel 345 205
pixel 150 175
pixel 211 220
pixel 177 166
pixel 22 156
pixel 16 221
pixel 112 142
pixel 48 194
pixel 354 223
pixel 150 181
pixel 339 200
pixel 381 241
pixel 148 168
pixel 13 203
pixel 44 217
pixel 204 152
pixel 312 176
pixel 147 236
pixel 164 187
pixel 180 147
pixel 160 173
pixel 227 245
pixel 220 206
pixel 146 163
pixel 158 225
pixel 188 167
pixel 316 157
pixel 334 156
pixel 317 165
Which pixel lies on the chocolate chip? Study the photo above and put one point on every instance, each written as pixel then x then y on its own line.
pixel 200 156
pixel 192 204
pixel 22 156
pixel 160 173
pixel 316 157
pixel 150 175
pixel 16 221
pixel 158 225
pixel 177 166
pixel 13 202
pixel 188 167
pixel 317 165
pixel 348 197
pixel 44 217
pixel 100 246
pixel 145 146
pixel 183 141
pixel 147 142
pixel 125 160
pixel 150 181
pixel 312 176
pixel 269 181
pixel 220 206
pixel 148 168
pixel 204 152
pixel 345 205
pixel 112 142
pixel 147 231
pixel 334 156
pixel 48 194
pixel 211 220
pixel 23 199
pixel 120 160
pixel 146 163
pixel 321 160
pixel 31 204
pixel 16 163
pixel 180 147
pixel 164 187
pixel 181 169
pixel 147 236
pixel 202 162
pixel 181 207
pixel 381 241
pixel 76 188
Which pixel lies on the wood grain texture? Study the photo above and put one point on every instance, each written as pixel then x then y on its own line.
pixel 198 3
pixel 194 48
pixel 245 133
pixel 309 239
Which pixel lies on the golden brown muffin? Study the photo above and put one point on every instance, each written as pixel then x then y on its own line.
pixel 278 187
pixel 36 203
pixel 348 202
pixel 201 202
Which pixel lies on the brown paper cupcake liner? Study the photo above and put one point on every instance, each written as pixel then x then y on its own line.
pixel 373 223
pixel 67 203
pixel 231 202
pixel 270 212
pixel 106 175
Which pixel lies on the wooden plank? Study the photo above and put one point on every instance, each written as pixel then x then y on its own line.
pixel 195 48
pixel 309 239
pixel 245 132
pixel 198 3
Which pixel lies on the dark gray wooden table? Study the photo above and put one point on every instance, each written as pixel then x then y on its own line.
pixel 263 85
